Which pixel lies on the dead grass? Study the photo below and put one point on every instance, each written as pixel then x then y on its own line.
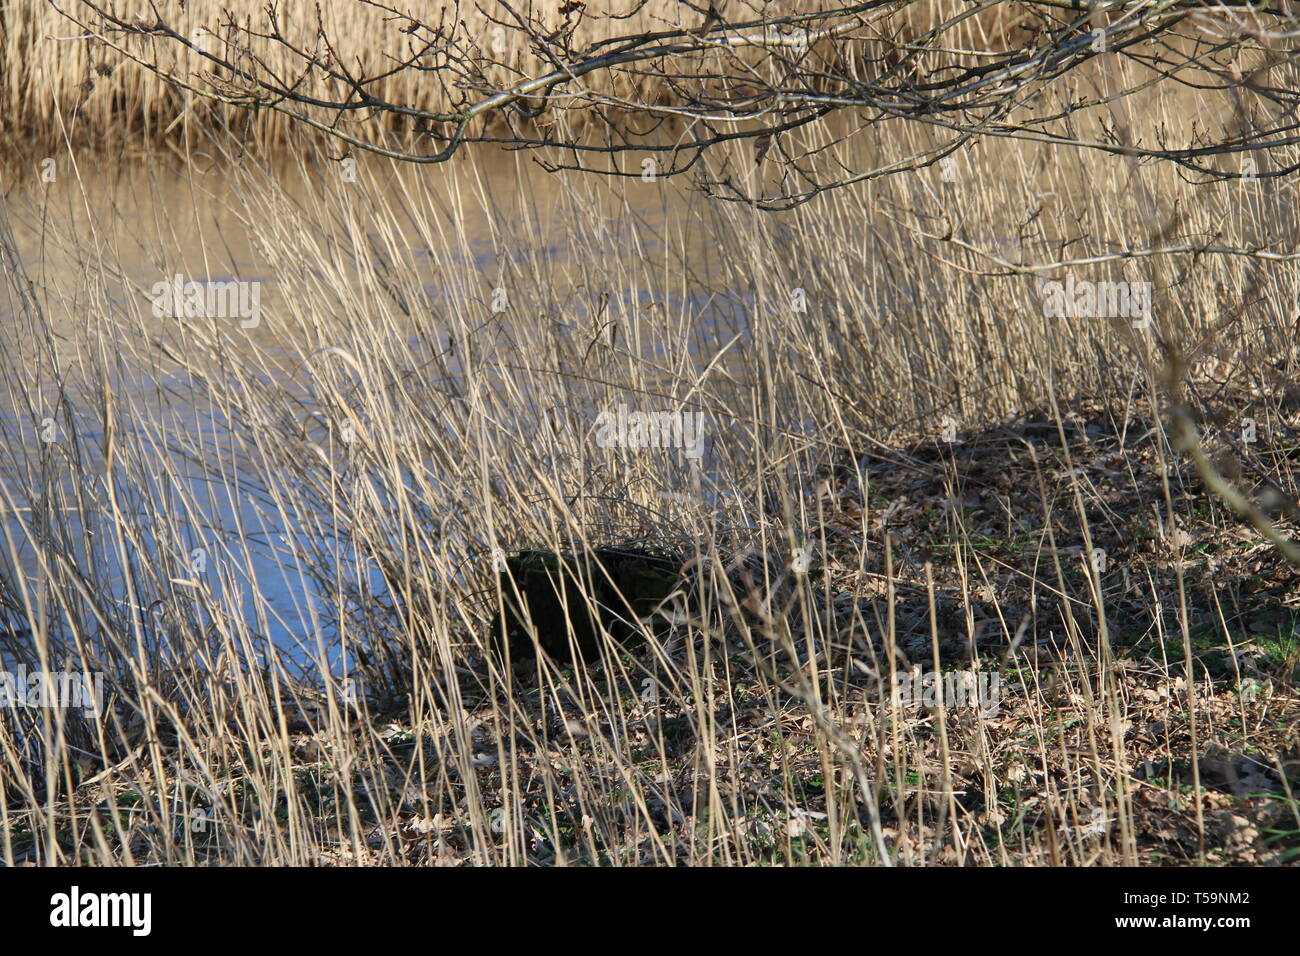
pixel 57 86
pixel 984 489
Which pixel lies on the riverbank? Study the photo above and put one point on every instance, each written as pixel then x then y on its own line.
pixel 745 740
pixel 271 431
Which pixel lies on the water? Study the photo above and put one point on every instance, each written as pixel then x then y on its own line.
pixel 145 224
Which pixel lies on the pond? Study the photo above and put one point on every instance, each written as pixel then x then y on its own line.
pixel 145 301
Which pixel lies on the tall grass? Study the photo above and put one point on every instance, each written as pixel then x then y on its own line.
pixel 57 85
pixel 396 418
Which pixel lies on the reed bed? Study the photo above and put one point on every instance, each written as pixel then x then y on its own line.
pixel 908 464
pixel 60 82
